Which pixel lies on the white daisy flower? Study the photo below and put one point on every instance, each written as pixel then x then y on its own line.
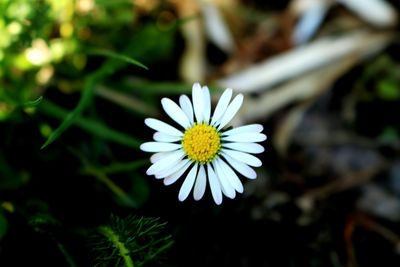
pixel 202 148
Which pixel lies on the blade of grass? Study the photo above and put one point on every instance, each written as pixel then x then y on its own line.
pixel 33 103
pixel 84 101
pixel 115 61
pixel 111 54
pixel 90 126
pixel 66 255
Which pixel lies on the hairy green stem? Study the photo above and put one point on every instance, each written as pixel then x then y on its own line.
pixel 114 238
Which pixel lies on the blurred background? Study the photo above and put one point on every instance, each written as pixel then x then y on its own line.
pixel 78 78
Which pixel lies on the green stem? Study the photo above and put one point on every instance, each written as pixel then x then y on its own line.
pixel 124 166
pixel 118 191
pixel 67 257
pixel 114 238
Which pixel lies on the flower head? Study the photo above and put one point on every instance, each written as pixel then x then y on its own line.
pixel 203 150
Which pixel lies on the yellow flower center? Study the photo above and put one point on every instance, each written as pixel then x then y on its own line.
pixel 201 143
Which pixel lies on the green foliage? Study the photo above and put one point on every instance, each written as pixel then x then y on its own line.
pixel 56 58
pixel 132 241
pixel 88 90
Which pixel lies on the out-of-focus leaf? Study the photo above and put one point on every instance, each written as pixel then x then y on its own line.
pixel 389 135
pixel 192 64
pixel 140 190
pixel 111 54
pixel 298 61
pixel 388 90
pixel 216 27
pixel 377 12
pixel 150 44
pixel 90 126
pixel 123 167
pixel 127 101
pixel 3 225
pixel 121 196
pixel 310 17
pixel 9 179
pixel 379 202
pixel 301 89
pixel 289 124
pixel 148 87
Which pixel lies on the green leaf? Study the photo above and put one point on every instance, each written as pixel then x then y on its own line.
pixel 108 53
pixel 90 126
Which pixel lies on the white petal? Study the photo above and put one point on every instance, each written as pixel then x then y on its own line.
pixel 223 103
pixel 207 104
pixel 188 184
pixel 175 112
pixel 230 112
pixel 165 163
pixel 157 156
pixel 174 177
pixel 214 185
pixel 245 137
pixel 159 147
pixel 169 171
pixel 226 187
pixel 187 107
pixel 245 147
pixel 240 167
pixel 231 175
pixel 200 185
pixel 163 137
pixel 162 127
pixel 251 128
pixel 243 157
pixel 198 102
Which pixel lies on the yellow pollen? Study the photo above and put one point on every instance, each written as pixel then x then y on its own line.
pixel 201 143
